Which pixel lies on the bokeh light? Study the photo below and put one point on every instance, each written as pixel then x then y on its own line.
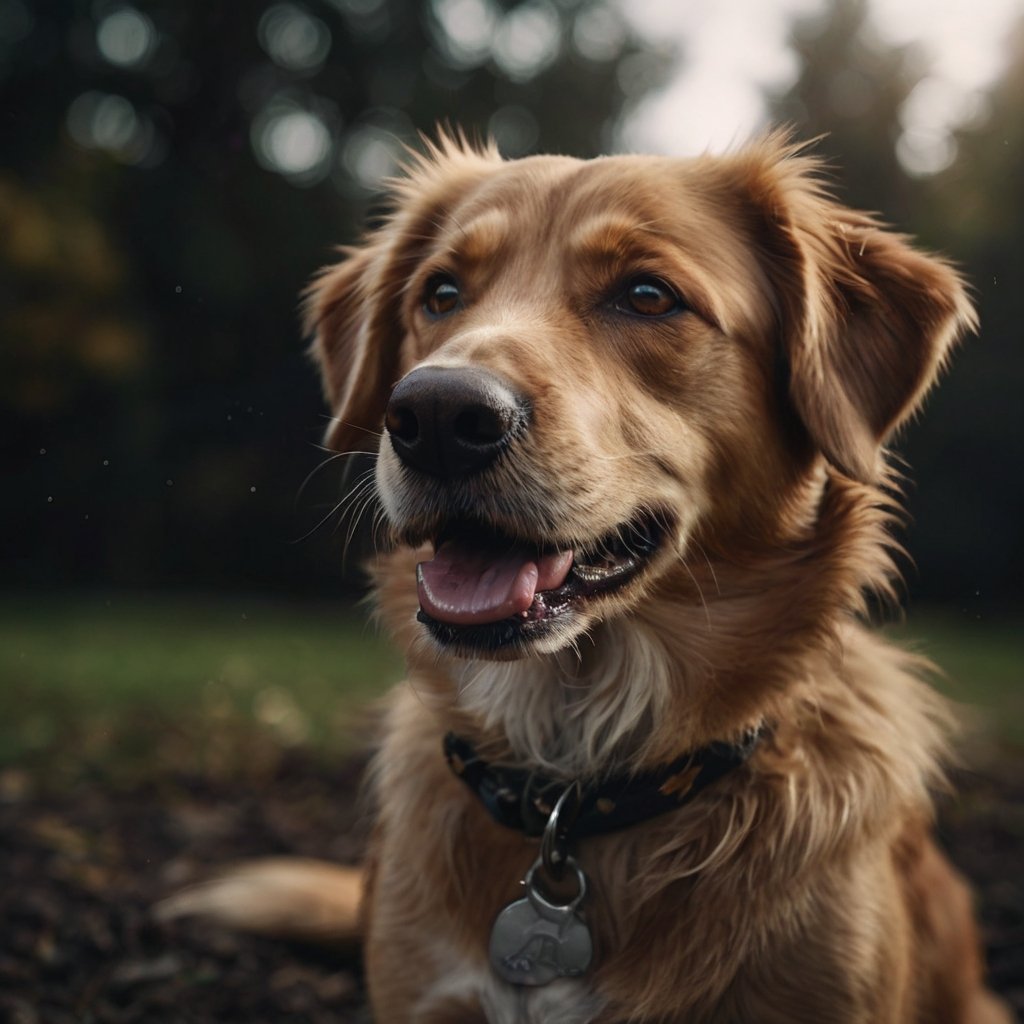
pixel 126 37
pixel 599 33
pixel 293 38
pixel 371 154
pixel 465 29
pixel 528 40
pixel 293 141
pixel 926 144
pixel 109 122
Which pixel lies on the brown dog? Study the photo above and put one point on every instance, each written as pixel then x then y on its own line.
pixel 633 413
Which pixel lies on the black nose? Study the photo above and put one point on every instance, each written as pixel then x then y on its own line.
pixel 451 423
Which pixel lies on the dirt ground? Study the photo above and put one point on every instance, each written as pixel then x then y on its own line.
pixel 82 862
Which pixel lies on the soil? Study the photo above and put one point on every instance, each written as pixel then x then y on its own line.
pixel 84 858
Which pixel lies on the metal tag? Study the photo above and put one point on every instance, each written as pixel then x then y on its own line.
pixel 534 941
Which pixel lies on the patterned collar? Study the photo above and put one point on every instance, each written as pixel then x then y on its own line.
pixel 523 800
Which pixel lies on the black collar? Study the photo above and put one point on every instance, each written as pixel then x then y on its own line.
pixel 524 800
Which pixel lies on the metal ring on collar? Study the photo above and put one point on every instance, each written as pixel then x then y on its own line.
pixel 554 844
pixel 545 905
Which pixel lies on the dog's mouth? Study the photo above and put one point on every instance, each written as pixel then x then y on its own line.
pixel 485 591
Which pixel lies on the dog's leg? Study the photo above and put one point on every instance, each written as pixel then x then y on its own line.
pixel 947 942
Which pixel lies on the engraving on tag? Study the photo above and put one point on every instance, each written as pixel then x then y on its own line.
pixel 534 941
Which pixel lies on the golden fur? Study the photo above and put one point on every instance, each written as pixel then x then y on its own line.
pixel 805 885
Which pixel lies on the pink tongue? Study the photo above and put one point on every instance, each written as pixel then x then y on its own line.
pixel 467 585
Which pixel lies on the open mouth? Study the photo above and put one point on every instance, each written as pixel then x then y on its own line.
pixel 485 591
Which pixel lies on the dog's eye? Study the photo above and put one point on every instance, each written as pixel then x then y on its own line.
pixel 647 296
pixel 441 295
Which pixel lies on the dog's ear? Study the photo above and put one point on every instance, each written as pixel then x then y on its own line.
pixel 867 321
pixel 354 310
pixel 355 346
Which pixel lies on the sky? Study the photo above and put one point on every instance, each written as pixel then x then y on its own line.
pixel 733 49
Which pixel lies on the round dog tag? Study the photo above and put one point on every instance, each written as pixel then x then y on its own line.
pixel 535 941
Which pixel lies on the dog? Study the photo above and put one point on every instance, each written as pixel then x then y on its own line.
pixel 649 763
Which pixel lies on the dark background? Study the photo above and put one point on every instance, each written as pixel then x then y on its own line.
pixel 173 173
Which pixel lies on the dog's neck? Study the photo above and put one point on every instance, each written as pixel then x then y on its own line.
pixel 578 711
pixel 713 651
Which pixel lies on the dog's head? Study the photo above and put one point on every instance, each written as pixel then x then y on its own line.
pixel 584 370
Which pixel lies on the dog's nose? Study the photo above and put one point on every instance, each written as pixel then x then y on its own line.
pixel 453 422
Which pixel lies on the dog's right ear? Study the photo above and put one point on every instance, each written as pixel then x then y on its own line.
pixel 355 346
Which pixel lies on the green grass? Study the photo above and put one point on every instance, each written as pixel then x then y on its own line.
pixel 982 661
pixel 112 677
pixel 83 665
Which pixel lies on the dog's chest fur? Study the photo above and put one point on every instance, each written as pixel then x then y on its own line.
pixel 747 878
pixel 561 1002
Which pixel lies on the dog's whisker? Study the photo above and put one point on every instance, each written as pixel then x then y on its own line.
pixel 321 522
pixel 364 490
pixel 331 451
pixel 377 528
pixel 355 426
pixel 359 507
pixel 338 509
pixel 363 499
pixel 323 464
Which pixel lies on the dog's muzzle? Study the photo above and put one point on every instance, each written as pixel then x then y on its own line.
pixel 488 587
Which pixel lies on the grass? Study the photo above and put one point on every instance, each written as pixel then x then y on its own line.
pixel 982 661
pixel 77 667
pixel 111 675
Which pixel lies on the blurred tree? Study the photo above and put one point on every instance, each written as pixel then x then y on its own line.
pixel 973 519
pixel 849 93
pixel 852 90
pixel 173 173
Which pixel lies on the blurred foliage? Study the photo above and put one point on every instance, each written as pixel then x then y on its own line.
pixel 965 496
pixel 848 95
pixel 174 171
pixel 173 174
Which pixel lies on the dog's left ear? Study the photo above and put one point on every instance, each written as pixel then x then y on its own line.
pixel 867 321
pixel 353 309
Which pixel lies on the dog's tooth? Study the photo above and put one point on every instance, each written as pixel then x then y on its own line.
pixel 597 573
